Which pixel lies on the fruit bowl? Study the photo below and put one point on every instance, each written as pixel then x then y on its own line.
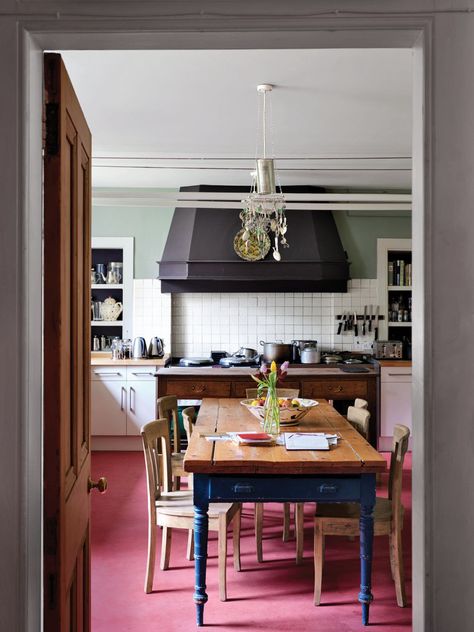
pixel 289 415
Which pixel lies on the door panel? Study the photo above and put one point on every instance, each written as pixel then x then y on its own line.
pixel 67 195
pixel 395 406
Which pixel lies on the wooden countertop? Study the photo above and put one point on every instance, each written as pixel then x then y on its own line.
pixel 104 359
pixel 352 454
pixel 394 362
pixel 209 371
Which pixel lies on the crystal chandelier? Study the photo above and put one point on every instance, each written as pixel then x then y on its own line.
pixel 263 215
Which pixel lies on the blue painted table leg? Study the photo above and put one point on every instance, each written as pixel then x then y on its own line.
pixel 201 525
pixel 366 541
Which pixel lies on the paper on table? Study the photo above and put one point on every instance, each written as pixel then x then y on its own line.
pixel 309 440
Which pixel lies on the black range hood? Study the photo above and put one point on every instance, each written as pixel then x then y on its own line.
pixel 199 252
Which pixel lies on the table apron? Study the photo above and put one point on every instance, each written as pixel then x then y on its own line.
pixel 277 488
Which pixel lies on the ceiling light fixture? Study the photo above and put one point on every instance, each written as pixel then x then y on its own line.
pixel 264 208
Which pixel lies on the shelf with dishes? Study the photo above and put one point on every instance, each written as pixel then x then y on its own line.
pixel 106 323
pixel 107 286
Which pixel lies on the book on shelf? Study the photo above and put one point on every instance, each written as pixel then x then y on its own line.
pixel 399 273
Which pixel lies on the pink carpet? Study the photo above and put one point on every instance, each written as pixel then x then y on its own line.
pixel 275 595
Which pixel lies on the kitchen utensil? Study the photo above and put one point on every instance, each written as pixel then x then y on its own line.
pixel 114 272
pixel 376 330
pixel 101 273
pixel 388 349
pixel 139 348
pixel 310 355
pixel 116 349
pixel 288 416
pixel 233 360
pixel 370 319
pixel 365 318
pixel 96 343
pixel 193 362
pixel 276 351
pixel 156 348
pixel 96 309
pixel 344 318
pixel 331 358
pixel 299 345
pixel 111 309
pixel 339 327
pixel 356 326
pixel 246 352
pixel 127 348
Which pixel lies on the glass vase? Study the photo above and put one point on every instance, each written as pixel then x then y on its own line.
pixel 271 421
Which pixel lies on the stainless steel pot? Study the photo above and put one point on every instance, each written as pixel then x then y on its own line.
pixel 246 352
pixel 310 355
pixel 278 351
pixel 299 345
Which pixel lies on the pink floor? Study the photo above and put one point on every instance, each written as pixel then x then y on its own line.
pixel 275 595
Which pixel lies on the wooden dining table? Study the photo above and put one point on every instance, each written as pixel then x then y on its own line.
pixel 225 471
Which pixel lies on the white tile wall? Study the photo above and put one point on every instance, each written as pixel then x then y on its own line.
pixel 151 311
pixel 201 322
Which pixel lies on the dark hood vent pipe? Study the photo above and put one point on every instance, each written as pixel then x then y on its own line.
pixel 199 252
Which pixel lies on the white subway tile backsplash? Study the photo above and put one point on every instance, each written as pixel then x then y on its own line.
pixel 193 324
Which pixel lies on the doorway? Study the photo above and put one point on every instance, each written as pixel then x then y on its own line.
pixel 419 230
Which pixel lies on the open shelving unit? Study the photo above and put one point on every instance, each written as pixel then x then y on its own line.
pixel 104 250
pixel 391 251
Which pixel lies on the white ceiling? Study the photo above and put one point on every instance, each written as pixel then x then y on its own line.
pixel 172 117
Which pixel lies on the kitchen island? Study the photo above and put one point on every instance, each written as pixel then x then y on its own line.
pixel 314 382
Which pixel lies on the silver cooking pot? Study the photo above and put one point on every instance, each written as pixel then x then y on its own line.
pixel 246 352
pixel 277 351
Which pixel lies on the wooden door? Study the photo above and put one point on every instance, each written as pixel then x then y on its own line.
pixel 67 208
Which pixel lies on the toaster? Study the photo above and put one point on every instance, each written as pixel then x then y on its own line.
pixel 388 349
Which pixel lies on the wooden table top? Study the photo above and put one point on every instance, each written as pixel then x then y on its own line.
pixel 352 455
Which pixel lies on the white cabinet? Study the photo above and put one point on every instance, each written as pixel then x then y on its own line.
pixel 141 404
pixel 395 402
pixel 122 399
pixel 108 407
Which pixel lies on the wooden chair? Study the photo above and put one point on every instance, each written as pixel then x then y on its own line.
pixel 174 509
pixel 343 519
pixel 252 393
pixel 359 418
pixel 189 419
pixel 167 408
pixel 361 403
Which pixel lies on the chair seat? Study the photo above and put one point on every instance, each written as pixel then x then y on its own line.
pixel 348 511
pixel 181 503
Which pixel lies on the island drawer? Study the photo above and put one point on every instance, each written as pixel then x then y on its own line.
pixel 239 388
pixel 334 389
pixel 198 388
pixel 274 488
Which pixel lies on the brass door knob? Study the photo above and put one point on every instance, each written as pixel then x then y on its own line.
pixel 101 485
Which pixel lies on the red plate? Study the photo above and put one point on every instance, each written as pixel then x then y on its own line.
pixel 254 436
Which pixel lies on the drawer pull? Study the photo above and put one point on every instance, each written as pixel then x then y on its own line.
pixel 336 389
pixel 328 489
pixel 142 373
pixel 398 374
pixel 198 389
pixel 107 373
pixel 242 488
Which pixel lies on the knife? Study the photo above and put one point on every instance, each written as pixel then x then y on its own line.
pixel 365 318
pixel 341 322
pixel 370 319
pixel 345 323
pixel 376 331
pixel 356 326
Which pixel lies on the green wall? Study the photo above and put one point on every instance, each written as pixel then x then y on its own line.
pixel 150 226
pixel 359 236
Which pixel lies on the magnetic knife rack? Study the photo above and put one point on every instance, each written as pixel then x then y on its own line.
pixel 359 316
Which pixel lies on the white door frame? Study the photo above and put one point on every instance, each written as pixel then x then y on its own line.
pixel 273 32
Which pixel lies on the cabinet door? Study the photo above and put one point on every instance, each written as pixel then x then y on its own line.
pixel 108 407
pixel 395 406
pixel 141 407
